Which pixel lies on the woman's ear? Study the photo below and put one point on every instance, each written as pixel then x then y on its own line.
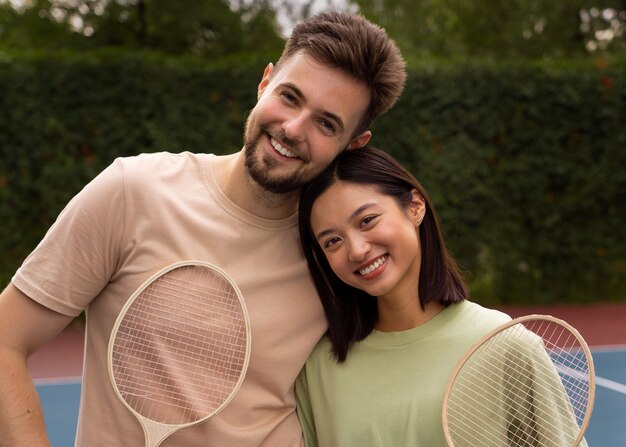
pixel 417 208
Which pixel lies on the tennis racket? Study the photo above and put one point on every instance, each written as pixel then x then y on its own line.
pixel 179 349
pixel 529 382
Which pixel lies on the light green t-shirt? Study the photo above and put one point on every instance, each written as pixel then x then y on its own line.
pixel 389 390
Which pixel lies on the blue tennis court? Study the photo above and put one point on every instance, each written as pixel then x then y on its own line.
pixel 60 406
pixel 608 422
pixel 607 428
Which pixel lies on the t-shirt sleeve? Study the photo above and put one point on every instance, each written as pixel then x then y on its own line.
pixel 552 404
pixel 535 391
pixel 305 411
pixel 80 252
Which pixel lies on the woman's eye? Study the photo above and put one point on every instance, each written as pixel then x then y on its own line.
pixel 368 220
pixel 329 243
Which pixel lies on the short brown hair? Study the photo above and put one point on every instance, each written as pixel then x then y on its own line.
pixel 360 48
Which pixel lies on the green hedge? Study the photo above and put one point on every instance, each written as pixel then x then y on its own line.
pixel 526 162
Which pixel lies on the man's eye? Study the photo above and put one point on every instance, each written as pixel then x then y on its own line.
pixel 289 97
pixel 328 126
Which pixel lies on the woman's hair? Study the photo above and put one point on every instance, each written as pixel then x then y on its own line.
pixel 351 312
pixel 356 46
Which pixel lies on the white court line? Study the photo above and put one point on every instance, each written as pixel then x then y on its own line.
pixel 607 383
pixel 607 348
pixel 610 384
pixel 49 381
pixel 600 381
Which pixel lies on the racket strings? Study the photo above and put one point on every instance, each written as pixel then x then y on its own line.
pixel 500 397
pixel 180 350
pixel 570 361
pixel 212 332
pixel 520 427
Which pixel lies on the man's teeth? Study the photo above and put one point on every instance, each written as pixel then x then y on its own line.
pixel 282 150
pixel 370 268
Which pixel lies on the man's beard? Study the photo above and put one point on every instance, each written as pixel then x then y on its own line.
pixel 260 170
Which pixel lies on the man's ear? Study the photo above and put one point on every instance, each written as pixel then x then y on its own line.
pixel 360 141
pixel 265 80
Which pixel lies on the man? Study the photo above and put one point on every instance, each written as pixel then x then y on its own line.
pixel 338 72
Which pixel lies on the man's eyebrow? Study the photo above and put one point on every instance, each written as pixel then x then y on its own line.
pixel 298 93
pixel 354 214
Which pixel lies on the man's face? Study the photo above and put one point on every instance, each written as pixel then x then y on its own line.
pixel 306 114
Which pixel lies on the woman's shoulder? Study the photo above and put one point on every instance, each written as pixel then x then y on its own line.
pixel 321 354
pixel 475 310
pixel 473 317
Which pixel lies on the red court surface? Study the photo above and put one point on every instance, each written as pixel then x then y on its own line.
pixel 600 324
pixel 60 359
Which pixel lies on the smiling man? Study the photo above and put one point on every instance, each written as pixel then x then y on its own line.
pixel 337 74
pixel 306 114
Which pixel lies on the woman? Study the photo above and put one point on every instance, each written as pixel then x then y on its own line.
pixel 396 304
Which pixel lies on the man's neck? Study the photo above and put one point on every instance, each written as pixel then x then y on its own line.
pixel 239 187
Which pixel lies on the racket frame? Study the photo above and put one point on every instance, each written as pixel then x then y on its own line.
pixel 156 432
pixel 521 320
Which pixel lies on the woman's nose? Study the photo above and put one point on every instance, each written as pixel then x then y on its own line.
pixel 359 248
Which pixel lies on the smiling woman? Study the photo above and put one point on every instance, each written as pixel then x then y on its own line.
pixel 395 302
pixel 370 241
pixel 369 230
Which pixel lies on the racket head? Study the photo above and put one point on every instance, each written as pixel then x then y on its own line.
pixel 530 381
pixel 180 347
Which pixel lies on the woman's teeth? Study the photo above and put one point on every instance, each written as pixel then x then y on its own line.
pixel 281 150
pixel 373 266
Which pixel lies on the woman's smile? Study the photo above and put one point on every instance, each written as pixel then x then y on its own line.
pixel 373 267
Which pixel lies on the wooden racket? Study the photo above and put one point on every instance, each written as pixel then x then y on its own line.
pixel 527 383
pixel 179 349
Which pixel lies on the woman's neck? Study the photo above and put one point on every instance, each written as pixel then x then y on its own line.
pixel 396 316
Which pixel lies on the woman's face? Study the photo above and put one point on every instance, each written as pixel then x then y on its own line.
pixel 371 243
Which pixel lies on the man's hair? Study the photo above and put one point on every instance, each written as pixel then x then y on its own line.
pixel 358 47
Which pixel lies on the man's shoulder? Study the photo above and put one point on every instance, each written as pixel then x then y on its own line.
pixel 161 157
pixel 151 165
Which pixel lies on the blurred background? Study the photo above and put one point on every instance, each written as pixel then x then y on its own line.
pixel 513 118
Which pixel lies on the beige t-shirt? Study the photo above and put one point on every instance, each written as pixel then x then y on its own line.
pixel 140 215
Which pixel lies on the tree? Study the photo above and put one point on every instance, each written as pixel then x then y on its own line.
pixel 202 27
pixel 498 28
pixel 32 27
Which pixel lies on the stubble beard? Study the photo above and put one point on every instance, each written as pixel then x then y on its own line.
pixel 260 168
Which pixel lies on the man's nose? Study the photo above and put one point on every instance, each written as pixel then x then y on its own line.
pixel 295 127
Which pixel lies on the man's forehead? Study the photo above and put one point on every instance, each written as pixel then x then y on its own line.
pixel 330 89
